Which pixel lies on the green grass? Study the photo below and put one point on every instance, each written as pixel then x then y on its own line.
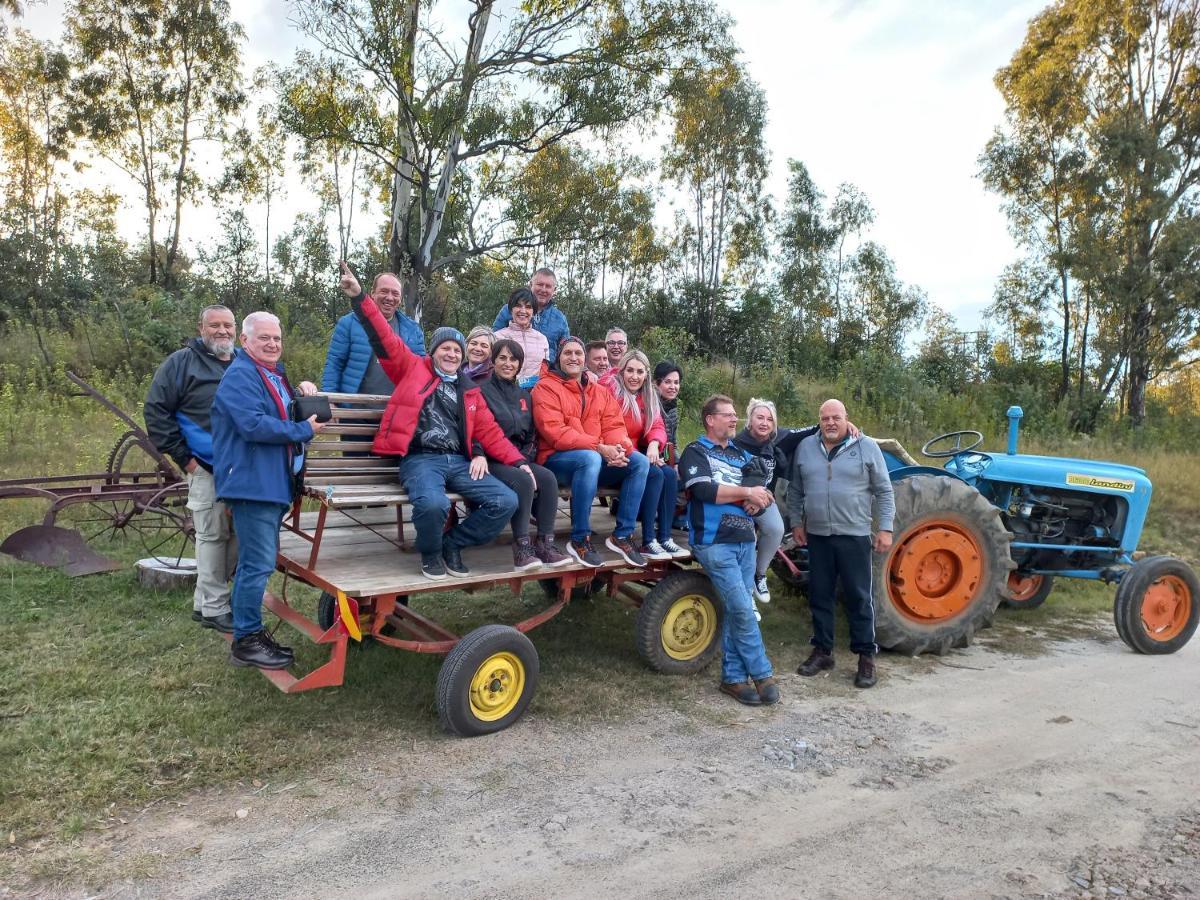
pixel 111 697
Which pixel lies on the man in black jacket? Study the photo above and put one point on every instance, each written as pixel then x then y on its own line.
pixel 177 419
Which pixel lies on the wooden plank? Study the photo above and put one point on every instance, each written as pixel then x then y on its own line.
pixel 335 397
pixel 367 415
pixel 325 463
pixel 380 479
pixel 352 429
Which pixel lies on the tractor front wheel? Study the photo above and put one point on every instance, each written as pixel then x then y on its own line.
pixel 1027 591
pixel 946 571
pixel 1158 605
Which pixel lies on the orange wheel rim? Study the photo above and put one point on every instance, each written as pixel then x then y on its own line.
pixel 935 571
pixel 1022 587
pixel 1166 608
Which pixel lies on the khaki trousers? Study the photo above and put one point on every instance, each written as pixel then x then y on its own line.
pixel 216 545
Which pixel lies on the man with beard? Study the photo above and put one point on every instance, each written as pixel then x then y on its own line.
pixel 177 414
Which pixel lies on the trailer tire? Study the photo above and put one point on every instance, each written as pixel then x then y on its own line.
pixel 946 571
pixel 487 681
pixel 679 624
pixel 327 612
pixel 1027 591
pixel 581 591
pixel 1157 607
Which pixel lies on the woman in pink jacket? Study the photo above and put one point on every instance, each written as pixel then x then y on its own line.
pixel 631 384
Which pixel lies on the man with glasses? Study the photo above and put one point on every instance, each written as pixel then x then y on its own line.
pixel 616 342
pixel 721 533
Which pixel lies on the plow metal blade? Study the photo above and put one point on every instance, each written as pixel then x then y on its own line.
pixel 58 548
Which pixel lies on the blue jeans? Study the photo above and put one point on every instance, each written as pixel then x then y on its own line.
pixel 583 471
pixel 658 503
pixel 427 476
pixel 257 527
pixel 731 568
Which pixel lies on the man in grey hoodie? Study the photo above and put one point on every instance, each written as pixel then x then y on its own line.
pixel 839 484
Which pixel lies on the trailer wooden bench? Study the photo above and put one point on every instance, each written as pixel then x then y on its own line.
pixel 347 537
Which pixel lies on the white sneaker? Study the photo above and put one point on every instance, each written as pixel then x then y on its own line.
pixel 674 549
pixel 654 550
pixel 762 593
pixel 757 614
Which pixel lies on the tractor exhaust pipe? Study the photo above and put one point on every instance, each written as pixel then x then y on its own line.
pixel 1014 428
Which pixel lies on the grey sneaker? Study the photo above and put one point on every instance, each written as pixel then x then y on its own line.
pixel 584 552
pixel 674 549
pixel 623 547
pixel 432 566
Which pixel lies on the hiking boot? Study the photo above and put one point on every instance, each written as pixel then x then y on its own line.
pixel 623 547
pixel 768 690
pixel 865 677
pixel 257 651
pixel 452 557
pixel 818 661
pixel 269 638
pixel 550 555
pixel 222 622
pixel 674 549
pixel 762 593
pixel 432 566
pixel 654 550
pixel 742 693
pixel 523 555
pixel 584 552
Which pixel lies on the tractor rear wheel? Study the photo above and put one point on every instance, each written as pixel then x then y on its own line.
pixel 946 571
pixel 1027 591
pixel 1158 605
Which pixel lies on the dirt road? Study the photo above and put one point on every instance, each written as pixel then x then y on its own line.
pixel 1075 773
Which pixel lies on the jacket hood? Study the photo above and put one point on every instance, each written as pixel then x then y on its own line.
pixel 745 437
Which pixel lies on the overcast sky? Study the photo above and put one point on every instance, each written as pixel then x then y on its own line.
pixel 895 96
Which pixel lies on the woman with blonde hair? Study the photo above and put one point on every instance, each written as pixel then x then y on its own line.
pixel 631 383
pixel 479 354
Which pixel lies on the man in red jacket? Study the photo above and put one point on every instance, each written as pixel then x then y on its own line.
pixel 436 415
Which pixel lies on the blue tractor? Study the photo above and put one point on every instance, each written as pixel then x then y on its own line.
pixel 989 529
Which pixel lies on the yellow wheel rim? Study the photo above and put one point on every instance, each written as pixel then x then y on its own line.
pixel 497 687
pixel 689 627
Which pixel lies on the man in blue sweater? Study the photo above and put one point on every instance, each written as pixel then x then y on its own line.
pixel 351 366
pixel 257 452
pixel 840 484
pixel 547 318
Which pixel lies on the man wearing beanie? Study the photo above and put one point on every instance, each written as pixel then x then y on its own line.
pixel 434 418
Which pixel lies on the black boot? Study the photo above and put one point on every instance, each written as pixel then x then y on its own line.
pixel 258 651
pixel 452 557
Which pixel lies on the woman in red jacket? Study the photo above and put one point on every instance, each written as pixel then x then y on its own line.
pixel 631 384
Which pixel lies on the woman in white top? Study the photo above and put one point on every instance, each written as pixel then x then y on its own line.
pixel 521 304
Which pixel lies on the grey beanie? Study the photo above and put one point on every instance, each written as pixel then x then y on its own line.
pixel 446 333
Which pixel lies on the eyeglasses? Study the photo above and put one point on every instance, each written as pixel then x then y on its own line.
pixel 616 343
pixel 733 416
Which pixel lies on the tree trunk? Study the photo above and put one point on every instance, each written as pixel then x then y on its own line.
pixel 180 174
pixel 1064 384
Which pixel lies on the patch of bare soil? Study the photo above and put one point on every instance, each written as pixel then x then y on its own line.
pixel 1069 774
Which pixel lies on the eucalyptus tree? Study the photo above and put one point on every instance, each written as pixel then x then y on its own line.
pixel 451 101
pixel 155 78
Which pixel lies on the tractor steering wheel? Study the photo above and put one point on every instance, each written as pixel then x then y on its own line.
pixel 958 444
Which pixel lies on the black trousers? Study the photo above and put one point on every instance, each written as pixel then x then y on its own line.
pixel 844 557
pixel 547 497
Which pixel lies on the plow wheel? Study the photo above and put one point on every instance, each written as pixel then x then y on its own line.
pixel 1027 591
pixel 679 624
pixel 1158 605
pixel 947 569
pixel 487 681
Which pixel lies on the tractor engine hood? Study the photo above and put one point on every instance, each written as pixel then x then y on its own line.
pixel 1090 476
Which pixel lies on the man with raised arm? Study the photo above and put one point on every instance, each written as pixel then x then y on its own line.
pixel 351 366
pixel 547 317
pixel 434 419
pixel 258 452
pixel 721 533
pixel 839 485
pixel 177 412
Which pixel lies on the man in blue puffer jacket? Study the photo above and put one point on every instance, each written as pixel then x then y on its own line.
pixel 257 451
pixel 350 364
